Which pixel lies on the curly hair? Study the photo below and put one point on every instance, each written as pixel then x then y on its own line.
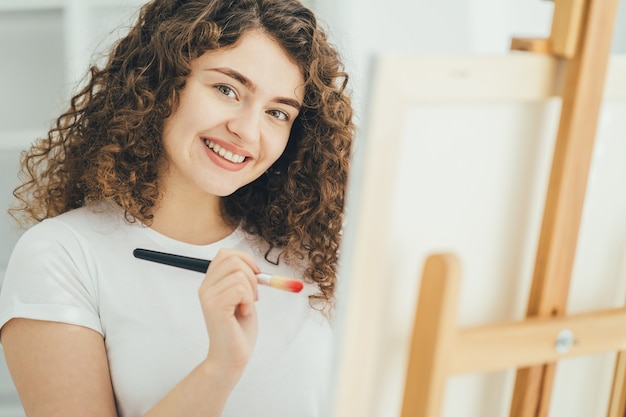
pixel 103 147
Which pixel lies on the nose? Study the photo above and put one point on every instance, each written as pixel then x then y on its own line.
pixel 245 123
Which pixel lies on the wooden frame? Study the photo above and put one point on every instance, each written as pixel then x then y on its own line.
pixel 581 33
pixel 518 77
pixel 366 245
pixel 440 348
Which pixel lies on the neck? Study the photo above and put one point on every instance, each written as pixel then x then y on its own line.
pixel 194 220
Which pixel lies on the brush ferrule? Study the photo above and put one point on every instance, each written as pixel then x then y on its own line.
pixel 264 278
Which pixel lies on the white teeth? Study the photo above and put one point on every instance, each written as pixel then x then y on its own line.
pixel 228 155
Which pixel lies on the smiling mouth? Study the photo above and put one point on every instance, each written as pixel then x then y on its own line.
pixel 228 155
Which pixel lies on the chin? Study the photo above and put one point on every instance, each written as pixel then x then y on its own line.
pixel 222 191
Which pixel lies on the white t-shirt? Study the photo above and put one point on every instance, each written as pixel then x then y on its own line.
pixel 79 268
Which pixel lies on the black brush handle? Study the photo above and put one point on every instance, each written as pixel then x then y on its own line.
pixel 185 262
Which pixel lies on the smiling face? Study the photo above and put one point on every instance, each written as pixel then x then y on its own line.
pixel 233 119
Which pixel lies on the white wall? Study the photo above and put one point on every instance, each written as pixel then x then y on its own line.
pixel 364 28
pixel 46 47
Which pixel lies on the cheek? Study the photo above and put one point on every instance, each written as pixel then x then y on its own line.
pixel 278 148
pixel 166 137
pixel 173 130
pixel 275 140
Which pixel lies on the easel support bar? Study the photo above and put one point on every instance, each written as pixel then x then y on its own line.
pixel 535 341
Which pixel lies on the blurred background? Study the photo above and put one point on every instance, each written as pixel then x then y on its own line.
pixel 47 45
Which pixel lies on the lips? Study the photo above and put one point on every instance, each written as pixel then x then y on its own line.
pixel 222 152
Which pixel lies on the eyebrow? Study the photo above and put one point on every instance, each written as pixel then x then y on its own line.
pixel 247 82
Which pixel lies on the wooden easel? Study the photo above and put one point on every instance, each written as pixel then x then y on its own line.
pixel 581 39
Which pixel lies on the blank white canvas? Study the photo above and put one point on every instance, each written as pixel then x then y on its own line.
pixel 466 172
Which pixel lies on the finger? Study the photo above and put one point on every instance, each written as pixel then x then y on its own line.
pixel 228 262
pixel 227 296
pixel 230 286
pixel 225 254
pixel 226 274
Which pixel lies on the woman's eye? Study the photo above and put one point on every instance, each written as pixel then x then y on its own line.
pixel 226 90
pixel 278 114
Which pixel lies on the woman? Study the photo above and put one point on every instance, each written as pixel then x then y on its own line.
pixel 218 130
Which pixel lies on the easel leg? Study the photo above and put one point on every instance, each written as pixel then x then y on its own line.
pixel 582 98
pixel 617 404
pixel 434 331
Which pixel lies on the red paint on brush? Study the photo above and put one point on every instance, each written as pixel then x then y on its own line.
pixel 293 285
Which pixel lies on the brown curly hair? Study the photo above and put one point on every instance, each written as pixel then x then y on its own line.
pixel 103 147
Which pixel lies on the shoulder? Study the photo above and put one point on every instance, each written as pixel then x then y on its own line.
pixel 93 217
pixel 68 233
pixel 46 244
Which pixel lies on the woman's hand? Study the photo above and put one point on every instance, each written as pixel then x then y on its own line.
pixel 227 295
